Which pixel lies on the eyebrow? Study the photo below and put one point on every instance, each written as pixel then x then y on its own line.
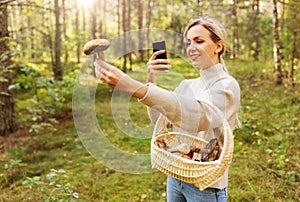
pixel 196 37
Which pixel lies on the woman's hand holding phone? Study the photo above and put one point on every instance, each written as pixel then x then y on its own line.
pixel 157 66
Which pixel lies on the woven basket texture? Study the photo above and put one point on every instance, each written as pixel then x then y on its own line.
pixel 200 174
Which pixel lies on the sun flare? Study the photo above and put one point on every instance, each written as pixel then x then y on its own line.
pixel 86 3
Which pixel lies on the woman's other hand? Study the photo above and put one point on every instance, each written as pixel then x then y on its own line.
pixel 115 78
pixel 157 66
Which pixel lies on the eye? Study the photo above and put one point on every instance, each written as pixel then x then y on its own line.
pixel 199 41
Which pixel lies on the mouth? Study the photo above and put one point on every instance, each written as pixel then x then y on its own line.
pixel 194 57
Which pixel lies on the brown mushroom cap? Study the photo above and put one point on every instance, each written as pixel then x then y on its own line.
pixel 95 45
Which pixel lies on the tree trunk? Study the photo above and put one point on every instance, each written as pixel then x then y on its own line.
pixel 31 30
pixel 83 20
pixel 199 8
pixel 124 25
pixel 94 20
pixel 100 16
pixel 7 119
pixel 58 71
pixel 257 32
pixel 119 16
pixel 78 47
pixel 21 37
pixel 293 26
pixel 50 41
pixel 140 26
pixel 235 33
pixel 66 38
pixel 44 42
pixel 148 22
pixel 277 51
pixel 128 28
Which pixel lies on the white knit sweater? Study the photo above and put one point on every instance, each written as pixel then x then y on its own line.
pixel 187 109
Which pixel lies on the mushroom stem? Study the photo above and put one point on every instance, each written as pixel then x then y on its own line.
pixel 96 47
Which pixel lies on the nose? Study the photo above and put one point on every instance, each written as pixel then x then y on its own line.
pixel 191 47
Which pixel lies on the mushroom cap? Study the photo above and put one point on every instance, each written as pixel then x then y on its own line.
pixel 95 45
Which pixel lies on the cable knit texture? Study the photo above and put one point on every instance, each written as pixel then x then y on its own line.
pixel 187 109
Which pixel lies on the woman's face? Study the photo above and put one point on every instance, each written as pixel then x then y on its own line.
pixel 202 51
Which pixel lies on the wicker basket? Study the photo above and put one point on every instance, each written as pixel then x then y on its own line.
pixel 200 174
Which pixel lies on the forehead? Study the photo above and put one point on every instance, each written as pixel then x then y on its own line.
pixel 197 31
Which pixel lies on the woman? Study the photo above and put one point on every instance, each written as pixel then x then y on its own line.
pixel 186 108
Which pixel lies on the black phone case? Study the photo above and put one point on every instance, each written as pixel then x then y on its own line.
pixel 160 45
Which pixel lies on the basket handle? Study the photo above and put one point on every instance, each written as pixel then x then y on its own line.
pixel 160 126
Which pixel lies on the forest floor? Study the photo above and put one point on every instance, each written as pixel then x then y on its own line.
pixel 51 164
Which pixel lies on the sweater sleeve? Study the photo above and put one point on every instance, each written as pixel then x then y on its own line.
pixel 183 112
pixel 225 95
pixel 190 113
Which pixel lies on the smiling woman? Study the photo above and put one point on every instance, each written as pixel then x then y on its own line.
pixel 197 107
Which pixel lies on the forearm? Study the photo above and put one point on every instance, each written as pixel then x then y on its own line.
pixel 151 78
pixel 185 113
pixel 136 88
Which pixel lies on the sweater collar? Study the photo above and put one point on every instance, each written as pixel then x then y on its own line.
pixel 212 73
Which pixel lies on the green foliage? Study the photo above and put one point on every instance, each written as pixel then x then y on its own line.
pixel 46 89
pixel 62 190
pixel 266 147
pixel 32 181
pixel 12 171
pixel 267 144
pixel 56 183
pixel 48 96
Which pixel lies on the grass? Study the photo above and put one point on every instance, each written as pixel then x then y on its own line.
pixel 266 156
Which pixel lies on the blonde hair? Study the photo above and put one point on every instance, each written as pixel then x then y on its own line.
pixel 217 33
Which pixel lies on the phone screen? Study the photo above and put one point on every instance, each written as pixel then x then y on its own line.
pixel 160 45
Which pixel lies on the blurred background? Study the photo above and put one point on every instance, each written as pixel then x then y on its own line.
pixel 41 41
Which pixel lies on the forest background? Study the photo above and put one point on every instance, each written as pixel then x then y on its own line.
pixel 41 44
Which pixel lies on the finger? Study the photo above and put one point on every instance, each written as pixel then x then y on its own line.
pixel 98 74
pixel 98 67
pixel 101 73
pixel 155 54
pixel 158 61
pixel 161 67
pixel 104 78
pixel 161 61
pixel 104 65
pixel 163 70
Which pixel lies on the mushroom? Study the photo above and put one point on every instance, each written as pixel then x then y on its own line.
pixel 96 47
pixel 211 151
pixel 160 143
pixel 182 148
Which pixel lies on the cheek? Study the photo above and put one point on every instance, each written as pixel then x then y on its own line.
pixel 209 50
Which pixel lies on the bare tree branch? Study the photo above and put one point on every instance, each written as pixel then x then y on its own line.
pixel 4 2
pixel 27 4
pixel 289 3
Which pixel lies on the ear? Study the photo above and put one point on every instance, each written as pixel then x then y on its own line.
pixel 219 47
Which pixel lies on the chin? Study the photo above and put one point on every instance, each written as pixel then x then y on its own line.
pixel 196 65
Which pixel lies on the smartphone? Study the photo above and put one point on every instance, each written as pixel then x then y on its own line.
pixel 160 45
pixel 157 46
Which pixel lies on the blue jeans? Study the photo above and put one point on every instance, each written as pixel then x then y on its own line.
pixel 178 191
